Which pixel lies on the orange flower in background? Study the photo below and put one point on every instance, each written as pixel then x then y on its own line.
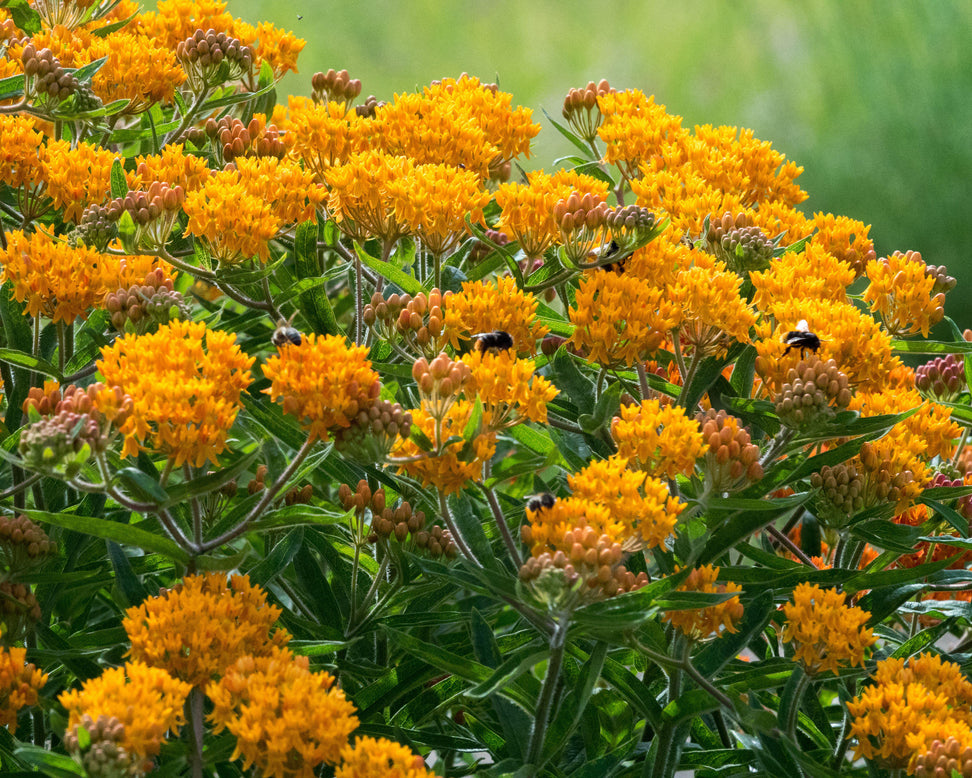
pixel 498 304
pixel 146 700
pixel 621 319
pixel 20 147
pixel 20 681
pixel 323 382
pixel 527 209
pixel 196 629
pixel 827 631
pixel 185 382
pixel 173 166
pixel 901 293
pixel 175 20
pixel 644 505
pixel 286 719
pixel 277 47
pixel 433 203
pixel 712 620
pixel 453 467
pixel 658 439
pixel 508 388
pixel 381 758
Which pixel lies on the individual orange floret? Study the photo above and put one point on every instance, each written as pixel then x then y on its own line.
pixel 381 758
pixel 185 382
pixel 508 387
pixel 901 292
pixel 643 504
pixel 528 209
pixel 287 720
pixel 146 701
pixel 659 439
pixel 485 306
pixel 621 319
pixel 712 620
pixel 196 629
pixel 452 467
pixel 20 681
pixel 323 382
pixel 828 632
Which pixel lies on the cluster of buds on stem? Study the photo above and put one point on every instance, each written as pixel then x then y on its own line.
pixel 944 760
pixel 334 86
pixel 813 393
pixel 942 379
pixel 299 495
pixel 211 58
pixel 373 432
pixel 481 249
pixel 369 108
pixel 96 229
pixel 590 570
pixel 841 491
pixel 45 81
pixel 732 459
pixel 144 307
pixel 414 322
pixel 581 109
pixel 153 212
pixel 943 281
pixel 439 382
pixel 19 611
pixel 595 235
pixel 739 243
pixel 232 139
pixel 23 544
pixel 99 748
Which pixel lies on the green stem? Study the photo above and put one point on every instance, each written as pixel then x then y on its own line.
pixel 643 380
pixel 358 300
pixel 501 525
pixel 558 641
pixel 687 379
pixel 666 733
pixel 456 536
pixel 194 715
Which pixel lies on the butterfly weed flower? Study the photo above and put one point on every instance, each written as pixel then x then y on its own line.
pixel 731 460
pixel 20 145
pixel 380 758
pixel 941 379
pixel 498 304
pixel 660 440
pixel 509 388
pixel 76 176
pixel 20 683
pixel 323 135
pixel 946 754
pixel 634 128
pixel 287 720
pixel 828 632
pixel 809 274
pixel 198 628
pixel 146 701
pixel 902 293
pixel 185 382
pixel 581 109
pixel 845 238
pixel 323 382
pixel 714 313
pixel 711 620
pixel 171 165
pixel 929 432
pixel 359 198
pixel 546 525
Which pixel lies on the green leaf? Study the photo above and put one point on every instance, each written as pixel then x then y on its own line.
pixel 142 485
pixel 279 558
pixel 85 72
pixel 127 582
pixel 470 527
pixel 25 17
pixel 108 29
pixel 931 347
pixel 689 705
pixel 20 359
pixel 119 184
pixel 389 271
pixel 569 379
pixel 47 762
pixel 572 708
pixel 11 86
pixel 955 519
pixel 204 484
pixel 124 534
pixel 314 304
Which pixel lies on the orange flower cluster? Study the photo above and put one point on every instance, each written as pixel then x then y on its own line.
pixel 712 620
pixel 910 704
pixel 827 631
pixel 484 306
pixel 286 719
pixel 658 439
pixel 146 700
pixel 902 294
pixel 323 382
pixel 185 382
pixel 198 628
pixel 508 388
pixel 359 198
pixel 322 135
pixel 381 758
pixel 20 681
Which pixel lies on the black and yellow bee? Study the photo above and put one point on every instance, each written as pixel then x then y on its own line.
pixel 802 339
pixel 539 501
pixel 285 333
pixel 497 340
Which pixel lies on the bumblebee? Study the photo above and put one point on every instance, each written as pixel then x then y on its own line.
pixel 540 501
pixel 285 333
pixel 497 340
pixel 802 339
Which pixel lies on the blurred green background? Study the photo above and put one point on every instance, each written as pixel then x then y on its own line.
pixel 873 98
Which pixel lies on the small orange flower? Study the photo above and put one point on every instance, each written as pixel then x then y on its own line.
pixel 322 135
pixel 635 129
pixel 323 382
pixel 508 387
pixel 658 439
pixel 548 527
pixel 713 620
pixel 810 274
pixel 900 292
pixel 360 199
pixel 185 382
pixel 197 629
pixel 381 758
pixel 484 306
pixel 172 166
pixel 20 681
pixel 76 177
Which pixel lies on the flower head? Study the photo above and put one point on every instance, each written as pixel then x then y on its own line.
pixel 146 700
pixel 197 629
pixel 185 382
pixel 635 129
pixel 76 176
pixel 827 631
pixel 508 387
pixel 712 620
pixel 381 758
pixel 322 135
pixel 812 273
pixel 323 382
pixel 901 292
pixel 20 681
pixel 359 198
pixel 658 439
pixel 485 306
pixel 286 719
